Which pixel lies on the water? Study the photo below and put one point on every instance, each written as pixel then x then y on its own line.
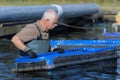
pixel 8 53
pixel 63 73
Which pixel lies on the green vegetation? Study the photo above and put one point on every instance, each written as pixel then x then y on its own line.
pixel 42 2
pixel 104 4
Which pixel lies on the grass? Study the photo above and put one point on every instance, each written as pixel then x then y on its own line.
pixel 104 4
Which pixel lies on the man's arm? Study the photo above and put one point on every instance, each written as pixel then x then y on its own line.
pixel 18 43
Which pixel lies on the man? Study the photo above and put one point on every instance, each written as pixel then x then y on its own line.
pixel 116 25
pixel 33 38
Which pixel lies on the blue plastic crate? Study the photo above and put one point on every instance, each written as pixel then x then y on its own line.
pixel 69 57
pixel 112 35
pixel 68 44
pixel 54 43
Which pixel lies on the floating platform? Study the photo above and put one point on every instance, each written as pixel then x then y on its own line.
pixel 76 52
pixel 53 60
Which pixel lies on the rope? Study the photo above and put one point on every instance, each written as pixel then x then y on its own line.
pixel 72 26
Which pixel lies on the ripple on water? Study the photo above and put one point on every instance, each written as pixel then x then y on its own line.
pixel 98 75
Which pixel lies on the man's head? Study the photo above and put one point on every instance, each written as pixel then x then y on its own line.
pixel 49 19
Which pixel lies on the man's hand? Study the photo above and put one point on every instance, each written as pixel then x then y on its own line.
pixel 59 50
pixel 31 54
pixel 28 51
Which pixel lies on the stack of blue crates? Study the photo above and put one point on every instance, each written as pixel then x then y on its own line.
pixel 86 51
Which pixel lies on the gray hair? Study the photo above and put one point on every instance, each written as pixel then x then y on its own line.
pixel 50 14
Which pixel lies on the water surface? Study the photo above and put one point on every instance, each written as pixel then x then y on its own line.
pixel 8 53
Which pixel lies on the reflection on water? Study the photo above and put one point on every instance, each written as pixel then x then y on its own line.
pixel 8 53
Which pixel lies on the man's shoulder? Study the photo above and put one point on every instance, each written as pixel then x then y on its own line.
pixel 30 25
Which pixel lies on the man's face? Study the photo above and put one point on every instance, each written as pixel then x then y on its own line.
pixel 52 23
